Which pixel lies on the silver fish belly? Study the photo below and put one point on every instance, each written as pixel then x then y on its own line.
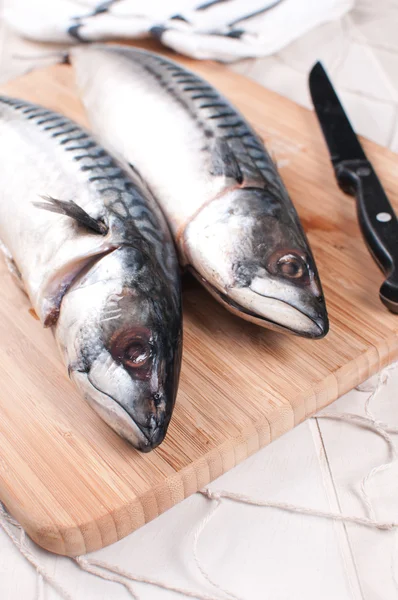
pixel 89 245
pixel 228 209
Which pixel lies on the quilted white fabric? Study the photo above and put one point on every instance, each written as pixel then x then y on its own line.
pixel 225 30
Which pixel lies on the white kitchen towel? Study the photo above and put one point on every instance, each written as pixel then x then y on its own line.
pixel 224 30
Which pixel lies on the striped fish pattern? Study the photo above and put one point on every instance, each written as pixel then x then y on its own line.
pixel 120 193
pixel 217 120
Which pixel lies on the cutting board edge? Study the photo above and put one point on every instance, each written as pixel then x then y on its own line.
pixel 79 539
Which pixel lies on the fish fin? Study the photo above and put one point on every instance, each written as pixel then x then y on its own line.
pixel 224 161
pixel 136 172
pixel 137 175
pixel 33 313
pixel 74 211
pixel 12 267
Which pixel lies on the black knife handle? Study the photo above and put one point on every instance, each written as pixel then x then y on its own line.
pixel 377 220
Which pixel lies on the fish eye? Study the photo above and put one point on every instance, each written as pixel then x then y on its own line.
pixel 291 266
pixel 132 348
pixel 136 354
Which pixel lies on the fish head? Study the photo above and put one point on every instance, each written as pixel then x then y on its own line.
pixel 249 250
pixel 120 332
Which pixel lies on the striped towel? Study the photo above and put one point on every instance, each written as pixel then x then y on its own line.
pixel 224 30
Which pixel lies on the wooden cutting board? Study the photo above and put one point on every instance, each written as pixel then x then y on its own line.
pixel 74 485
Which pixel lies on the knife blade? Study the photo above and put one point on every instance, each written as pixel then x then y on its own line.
pixel 355 176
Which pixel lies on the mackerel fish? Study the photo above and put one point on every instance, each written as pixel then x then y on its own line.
pixel 233 222
pixel 89 245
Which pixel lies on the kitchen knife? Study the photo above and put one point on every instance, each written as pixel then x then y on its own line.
pixel 356 176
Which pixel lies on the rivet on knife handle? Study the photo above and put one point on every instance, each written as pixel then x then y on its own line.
pixel 356 176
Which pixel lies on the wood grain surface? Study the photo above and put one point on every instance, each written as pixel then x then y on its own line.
pixel 76 486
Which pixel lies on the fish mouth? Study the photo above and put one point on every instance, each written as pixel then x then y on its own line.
pixel 312 327
pixel 307 325
pixel 120 420
pixel 154 434
pixel 143 438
